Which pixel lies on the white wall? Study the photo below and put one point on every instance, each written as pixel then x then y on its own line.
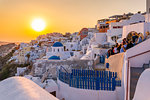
pixel 139 60
pixel 115 32
pixel 143 88
pixel 62 54
pixel 71 46
pixel 134 62
pixel 124 76
pixel 100 51
pixel 70 93
pixel 55 49
pixel 134 27
pixel 121 23
pixel 147 18
pixel 100 37
pixel 137 18
pixel 139 27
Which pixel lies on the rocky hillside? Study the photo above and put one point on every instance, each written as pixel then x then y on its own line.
pixel 8 69
pixel 4 59
pixel 3 43
pixel 5 49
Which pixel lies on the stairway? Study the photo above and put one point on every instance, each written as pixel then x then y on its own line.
pixel 100 67
pixel 99 63
pixel 45 75
pixel 135 73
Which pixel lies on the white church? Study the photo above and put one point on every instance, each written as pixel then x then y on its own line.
pixel 57 52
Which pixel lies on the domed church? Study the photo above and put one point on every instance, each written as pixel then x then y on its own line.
pixel 57 50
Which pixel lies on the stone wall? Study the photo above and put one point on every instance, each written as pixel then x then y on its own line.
pixel 42 66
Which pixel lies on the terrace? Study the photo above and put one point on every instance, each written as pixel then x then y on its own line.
pixel 90 79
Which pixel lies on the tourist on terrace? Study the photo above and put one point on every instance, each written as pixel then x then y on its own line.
pixel 112 51
pixel 115 50
pixel 147 35
pixel 139 38
pixel 118 48
pixel 108 53
pixel 125 45
pixel 122 48
pixel 134 38
pixel 124 41
pixel 129 45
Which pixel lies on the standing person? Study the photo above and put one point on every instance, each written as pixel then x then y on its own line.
pixel 124 41
pixel 134 38
pixel 139 38
pixel 147 35
pixel 108 54
pixel 119 47
pixel 112 51
pixel 129 45
pixel 115 50
pixel 117 44
pixel 122 49
pixel 125 45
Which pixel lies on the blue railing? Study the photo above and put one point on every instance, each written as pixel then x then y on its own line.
pixel 118 83
pixel 88 79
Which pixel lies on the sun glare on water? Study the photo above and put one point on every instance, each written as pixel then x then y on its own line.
pixel 38 24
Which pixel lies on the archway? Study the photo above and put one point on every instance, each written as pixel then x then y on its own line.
pixel 130 35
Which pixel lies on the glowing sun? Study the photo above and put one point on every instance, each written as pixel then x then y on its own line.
pixel 38 24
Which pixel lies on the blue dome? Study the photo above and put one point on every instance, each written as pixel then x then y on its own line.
pixel 54 58
pixel 57 44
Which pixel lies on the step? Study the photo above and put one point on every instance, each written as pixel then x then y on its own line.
pixel 135 74
pixel 137 69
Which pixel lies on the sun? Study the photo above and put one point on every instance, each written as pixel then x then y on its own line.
pixel 38 24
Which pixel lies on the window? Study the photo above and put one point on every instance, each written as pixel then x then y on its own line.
pixel 114 26
pixel 117 27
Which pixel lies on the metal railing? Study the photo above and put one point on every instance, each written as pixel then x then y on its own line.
pixel 88 79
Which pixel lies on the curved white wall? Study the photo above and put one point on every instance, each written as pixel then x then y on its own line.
pixel 135 62
pixel 21 88
pixel 139 27
pixel 143 88
pixel 70 93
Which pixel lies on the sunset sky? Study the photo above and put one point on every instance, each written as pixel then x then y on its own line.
pixel 60 15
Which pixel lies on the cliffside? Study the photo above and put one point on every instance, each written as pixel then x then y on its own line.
pixel 5 49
